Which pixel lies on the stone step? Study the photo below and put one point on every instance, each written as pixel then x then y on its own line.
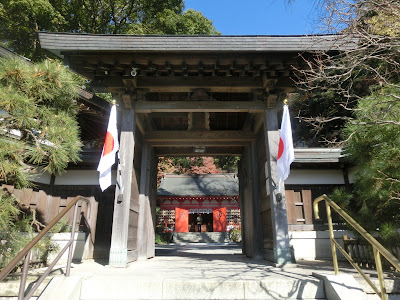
pixel 177 287
pixel 9 287
pixel 200 237
pixel 392 285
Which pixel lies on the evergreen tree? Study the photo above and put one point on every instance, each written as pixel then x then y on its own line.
pixel 38 126
pixel 359 93
pixel 20 20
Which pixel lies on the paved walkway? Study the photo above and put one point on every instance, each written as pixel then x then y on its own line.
pixel 199 271
pixel 202 271
pixel 205 261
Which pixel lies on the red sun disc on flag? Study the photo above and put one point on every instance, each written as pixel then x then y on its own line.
pixel 281 148
pixel 108 144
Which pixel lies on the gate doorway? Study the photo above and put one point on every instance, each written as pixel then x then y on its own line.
pixel 191 96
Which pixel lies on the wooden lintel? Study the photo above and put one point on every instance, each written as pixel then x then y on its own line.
pixel 223 137
pixel 200 106
pixel 184 84
pixel 207 143
pixel 190 152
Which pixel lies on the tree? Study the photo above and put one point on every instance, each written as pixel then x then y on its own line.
pixel 189 22
pixel 38 127
pixel 38 132
pixel 360 92
pixel 187 165
pixel 20 20
pixel 228 163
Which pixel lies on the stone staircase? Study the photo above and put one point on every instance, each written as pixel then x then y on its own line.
pixel 200 271
pixel 9 287
pixel 200 237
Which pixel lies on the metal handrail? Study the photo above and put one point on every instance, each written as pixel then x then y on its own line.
pixel 377 247
pixel 26 252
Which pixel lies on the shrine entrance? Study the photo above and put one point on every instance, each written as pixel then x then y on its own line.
pixel 188 200
pixel 207 221
pixel 191 96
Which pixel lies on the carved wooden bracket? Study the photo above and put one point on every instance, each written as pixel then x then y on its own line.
pixel 271 100
pixel 127 101
pixel 199 95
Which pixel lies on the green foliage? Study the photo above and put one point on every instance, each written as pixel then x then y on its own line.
pixel 190 22
pixel 375 150
pixel 235 235
pixel 16 231
pixel 358 94
pixel 228 163
pixel 20 20
pixel 341 197
pixel 39 124
pixel 160 239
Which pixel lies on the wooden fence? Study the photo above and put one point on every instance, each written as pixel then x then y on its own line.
pixel 48 206
pixel 362 254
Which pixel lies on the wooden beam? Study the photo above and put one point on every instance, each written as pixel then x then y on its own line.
pixel 199 106
pixel 184 84
pixel 223 138
pixel 189 151
pixel 207 143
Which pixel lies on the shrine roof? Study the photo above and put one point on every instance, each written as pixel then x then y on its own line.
pixel 318 155
pixel 226 184
pixel 67 42
pixel 4 52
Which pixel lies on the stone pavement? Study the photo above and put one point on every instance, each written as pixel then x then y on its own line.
pixel 200 271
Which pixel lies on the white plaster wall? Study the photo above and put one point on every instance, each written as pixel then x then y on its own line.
pixel 352 173
pixel 81 177
pixel 315 177
pixel 80 246
pixel 40 177
pixel 60 240
pixel 312 245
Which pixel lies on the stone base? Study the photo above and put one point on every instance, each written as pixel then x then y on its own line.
pixel 279 256
pixel 203 237
pixel 118 257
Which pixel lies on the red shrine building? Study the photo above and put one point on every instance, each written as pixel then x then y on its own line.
pixel 182 198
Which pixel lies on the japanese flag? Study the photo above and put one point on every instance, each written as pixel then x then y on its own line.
pixel 285 151
pixel 109 149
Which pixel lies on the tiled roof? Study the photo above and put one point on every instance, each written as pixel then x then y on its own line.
pixel 58 42
pixel 199 185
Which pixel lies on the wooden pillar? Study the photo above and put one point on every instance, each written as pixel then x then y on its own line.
pixel 280 253
pixel 257 226
pixel 146 237
pixel 250 204
pixel 153 196
pixel 126 207
pixel 242 187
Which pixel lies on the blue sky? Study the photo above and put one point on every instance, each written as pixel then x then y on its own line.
pixel 258 17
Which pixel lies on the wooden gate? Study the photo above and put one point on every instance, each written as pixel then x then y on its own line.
pixel 181 220
pixel 219 219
